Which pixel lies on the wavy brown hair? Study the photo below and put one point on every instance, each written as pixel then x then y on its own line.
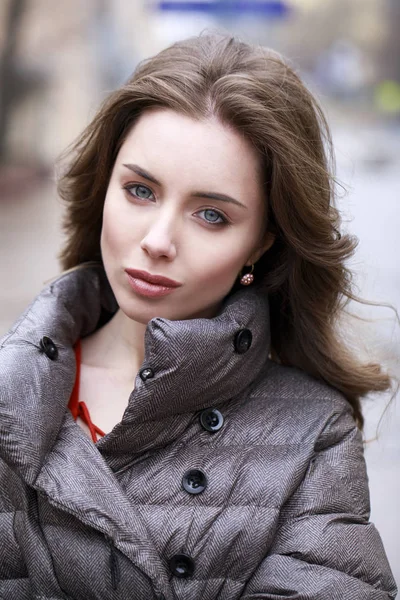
pixel 253 90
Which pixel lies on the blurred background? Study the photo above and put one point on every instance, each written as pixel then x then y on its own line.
pixel 58 60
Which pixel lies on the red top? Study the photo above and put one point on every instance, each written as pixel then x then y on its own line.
pixel 77 408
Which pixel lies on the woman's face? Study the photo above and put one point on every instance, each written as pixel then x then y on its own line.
pixel 184 201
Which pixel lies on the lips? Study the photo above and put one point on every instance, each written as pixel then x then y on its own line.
pixel 154 279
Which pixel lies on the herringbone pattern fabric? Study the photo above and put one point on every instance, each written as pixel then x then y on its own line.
pixel 285 509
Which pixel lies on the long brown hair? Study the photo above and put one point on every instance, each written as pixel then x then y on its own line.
pixel 256 92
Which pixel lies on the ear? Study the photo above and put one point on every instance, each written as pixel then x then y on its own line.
pixel 268 240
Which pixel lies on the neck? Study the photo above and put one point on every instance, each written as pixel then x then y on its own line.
pixel 118 345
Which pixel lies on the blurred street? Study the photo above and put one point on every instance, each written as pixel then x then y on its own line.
pixel 369 165
pixel 29 241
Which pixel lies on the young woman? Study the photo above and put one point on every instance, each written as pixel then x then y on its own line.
pixel 179 418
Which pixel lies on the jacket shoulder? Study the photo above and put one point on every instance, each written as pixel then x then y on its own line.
pixel 294 406
pixel 286 382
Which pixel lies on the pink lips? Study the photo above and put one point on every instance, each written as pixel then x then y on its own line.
pixel 150 285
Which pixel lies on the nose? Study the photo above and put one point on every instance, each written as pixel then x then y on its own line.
pixel 158 241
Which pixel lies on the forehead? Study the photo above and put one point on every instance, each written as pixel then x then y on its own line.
pixel 178 145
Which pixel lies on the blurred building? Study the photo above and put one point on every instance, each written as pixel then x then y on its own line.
pixel 67 55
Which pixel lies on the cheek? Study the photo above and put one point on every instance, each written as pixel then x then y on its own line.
pixel 114 229
pixel 107 240
pixel 219 265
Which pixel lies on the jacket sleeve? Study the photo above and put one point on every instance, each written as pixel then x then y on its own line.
pixel 325 548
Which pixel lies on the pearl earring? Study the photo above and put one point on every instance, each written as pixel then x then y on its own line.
pixel 248 278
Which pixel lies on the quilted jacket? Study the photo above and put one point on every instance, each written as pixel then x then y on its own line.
pixel 229 476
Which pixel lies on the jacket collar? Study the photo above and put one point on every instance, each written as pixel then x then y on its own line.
pixel 195 365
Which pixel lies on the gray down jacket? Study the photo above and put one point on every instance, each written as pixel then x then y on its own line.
pixel 228 477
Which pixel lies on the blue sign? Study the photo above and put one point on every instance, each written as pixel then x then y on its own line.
pixel 270 8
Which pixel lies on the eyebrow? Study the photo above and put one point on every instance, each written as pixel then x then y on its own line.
pixel 197 194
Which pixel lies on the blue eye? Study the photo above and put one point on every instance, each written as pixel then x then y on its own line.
pixel 212 216
pixel 142 191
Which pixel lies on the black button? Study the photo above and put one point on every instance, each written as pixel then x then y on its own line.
pixel 48 347
pixel 194 481
pixel 181 565
pixel 243 339
pixel 146 374
pixel 211 419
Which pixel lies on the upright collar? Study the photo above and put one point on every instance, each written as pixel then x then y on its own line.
pixel 194 363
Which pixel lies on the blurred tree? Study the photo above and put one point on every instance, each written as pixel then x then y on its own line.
pixel 10 88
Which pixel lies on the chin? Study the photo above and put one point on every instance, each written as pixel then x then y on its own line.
pixel 139 314
pixel 143 310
